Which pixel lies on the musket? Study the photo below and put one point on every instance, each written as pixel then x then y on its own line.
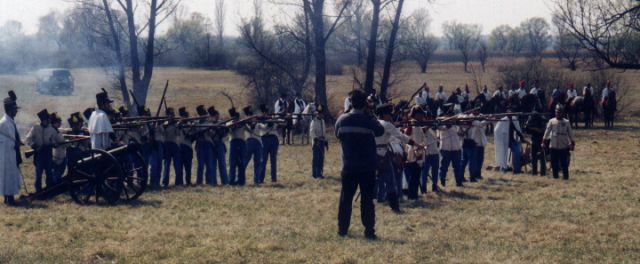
pixel 162 100
pixel 31 152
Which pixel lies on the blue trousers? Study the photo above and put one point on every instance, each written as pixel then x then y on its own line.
pixel 237 150
pixel 186 156
pixel 203 154
pixel 43 161
pixel 155 163
pixel 270 145
pixel 468 160
pixel 412 172
pixel 172 154
pixel 560 159
pixel 218 159
pixel 516 155
pixel 317 162
pixel 431 162
pixel 452 158
pixel 386 181
pixel 254 150
pixel 73 155
pixel 478 161
pixel 58 170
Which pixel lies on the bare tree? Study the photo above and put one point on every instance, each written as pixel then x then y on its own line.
pixel 391 47
pixel 420 43
pixel 138 35
pixel 462 37
pixel 483 53
pixel 499 38
pixel 220 11
pixel 352 35
pixel 610 29
pixel 566 46
pixel 314 10
pixel 372 46
pixel 516 41
pixel 536 32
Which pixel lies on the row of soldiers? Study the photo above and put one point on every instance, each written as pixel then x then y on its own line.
pixel 172 141
pixel 409 149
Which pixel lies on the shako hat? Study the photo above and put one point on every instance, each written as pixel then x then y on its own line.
pixel 182 111
pixel 103 97
pixel 200 110
pixel 43 115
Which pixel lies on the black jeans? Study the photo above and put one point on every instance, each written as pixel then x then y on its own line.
pixel 560 161
pixel 350 183
pixel 538 157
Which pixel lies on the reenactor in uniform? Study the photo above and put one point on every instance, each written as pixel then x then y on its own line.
pixel 317 131
pixel 171 134
pixel 237 150
pixel 40 138
pixel 156 155
pixel 387 186
pixel 560 139
pixel 186 146
pixel 99 126
pixel 75 150
pixel 254 146
pixel 59 161
pixel 204 147
pixel 450 150
pixel 10 157
pixel 219 149
pixel 535 127
pixel 270 144
pixel 415 152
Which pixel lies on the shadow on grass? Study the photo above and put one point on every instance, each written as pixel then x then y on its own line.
pixel 429 203
pixel 459 195
pixel 141 203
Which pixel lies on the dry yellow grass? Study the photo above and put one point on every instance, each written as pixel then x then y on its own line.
pixel 594 217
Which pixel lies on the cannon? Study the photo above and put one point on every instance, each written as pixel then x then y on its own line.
pixel 101 178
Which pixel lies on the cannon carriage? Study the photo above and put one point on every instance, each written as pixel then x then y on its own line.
pixel 101 178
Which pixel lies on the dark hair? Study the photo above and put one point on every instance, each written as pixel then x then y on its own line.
pixel 358 99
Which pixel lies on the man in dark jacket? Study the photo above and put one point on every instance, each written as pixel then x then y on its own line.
pixel 356 132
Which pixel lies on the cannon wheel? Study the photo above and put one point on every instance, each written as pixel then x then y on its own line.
pixel 135 176
pixel 96 179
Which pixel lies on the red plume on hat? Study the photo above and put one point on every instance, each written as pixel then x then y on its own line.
pixel 522 83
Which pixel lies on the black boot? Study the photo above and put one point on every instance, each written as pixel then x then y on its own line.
pixel 435 188
pixel 370 234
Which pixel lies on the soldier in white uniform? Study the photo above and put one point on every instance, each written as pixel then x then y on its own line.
pixel 560 139
pixel 100 127
pixel 10 157
pixel 317 131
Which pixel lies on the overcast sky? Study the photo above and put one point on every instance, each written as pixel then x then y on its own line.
pixel 488 13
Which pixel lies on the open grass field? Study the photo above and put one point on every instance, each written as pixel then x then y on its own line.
pixel 592 218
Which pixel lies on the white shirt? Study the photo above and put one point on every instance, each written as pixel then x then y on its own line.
pixel 390 131
pixel 478 133
pixel 584 90
pixel 422 97
pixel 415 154
pixel 347 104
pixel 534 91
pixel 317 129
pixel 449 139
pixel 99 130
pixel 498 93
pixel 571 93
pixel 431 142
pixel 441 96
pixel 487 95
pixel 605 92
pixel 521 93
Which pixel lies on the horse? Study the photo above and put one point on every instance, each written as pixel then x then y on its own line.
pixel 609 108
pixel 578 105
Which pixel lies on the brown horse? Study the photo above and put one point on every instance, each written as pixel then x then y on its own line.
pixel 581 105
